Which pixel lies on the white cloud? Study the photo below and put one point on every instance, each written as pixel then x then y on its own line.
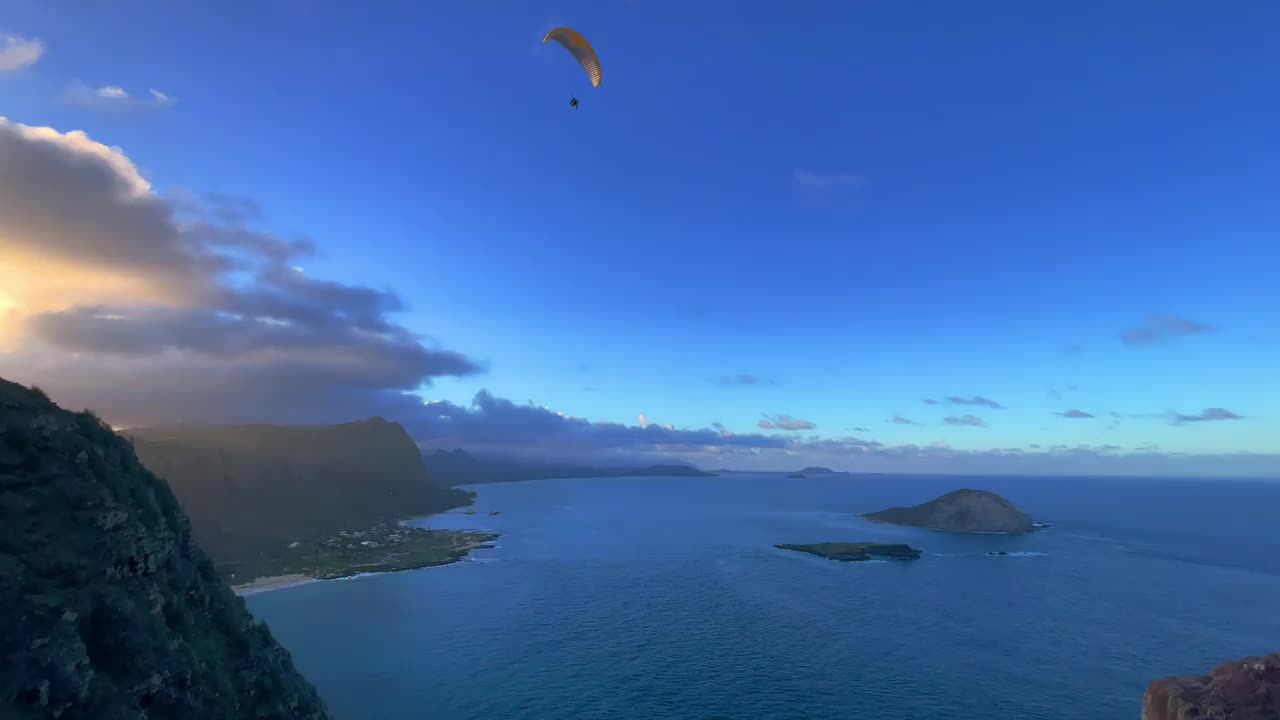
pixel 77 142
pixel 17 52
pixel 114 97
pixel 826 182
pixel 784 422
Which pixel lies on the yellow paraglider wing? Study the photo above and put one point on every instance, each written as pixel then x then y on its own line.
pixel 578 46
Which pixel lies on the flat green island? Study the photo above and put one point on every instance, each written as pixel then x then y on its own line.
pixel 853 552
pixel 384 548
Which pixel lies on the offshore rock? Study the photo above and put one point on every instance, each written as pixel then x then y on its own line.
pixel 1247 689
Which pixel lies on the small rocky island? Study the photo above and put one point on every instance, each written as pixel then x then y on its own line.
pixel 976 511
pixel 853 552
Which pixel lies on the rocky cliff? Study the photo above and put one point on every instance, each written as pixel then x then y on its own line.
pixel 108 609
pixel 1247 689
pixel 960 511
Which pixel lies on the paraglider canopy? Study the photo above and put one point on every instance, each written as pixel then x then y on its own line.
pixel 578 46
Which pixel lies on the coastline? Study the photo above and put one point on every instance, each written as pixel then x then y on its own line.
pixel 280 582
pixel 271 582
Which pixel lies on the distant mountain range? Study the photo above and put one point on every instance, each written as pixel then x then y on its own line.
pixel 252 489
pixel 458 467
pixel 805 472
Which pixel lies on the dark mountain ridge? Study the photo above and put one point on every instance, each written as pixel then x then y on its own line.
pixel 252 489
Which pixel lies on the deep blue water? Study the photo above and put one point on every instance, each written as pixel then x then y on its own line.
pixel 654 598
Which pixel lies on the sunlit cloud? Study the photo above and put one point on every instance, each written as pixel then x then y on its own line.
pixel 117 298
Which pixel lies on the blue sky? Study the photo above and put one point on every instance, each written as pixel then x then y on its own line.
pixel 859 205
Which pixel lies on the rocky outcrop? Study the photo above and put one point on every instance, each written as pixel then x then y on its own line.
pixel 108 609
pixel 961 511
pixel 1247 689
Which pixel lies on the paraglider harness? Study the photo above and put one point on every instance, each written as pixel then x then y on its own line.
pixel 573 103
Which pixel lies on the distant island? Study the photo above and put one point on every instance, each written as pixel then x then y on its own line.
pixel 855 552
pixel 976 511
pixel 458 467
pixel 812 471
pixel 266 500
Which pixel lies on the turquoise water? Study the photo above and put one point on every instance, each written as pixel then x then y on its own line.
pixel 664 598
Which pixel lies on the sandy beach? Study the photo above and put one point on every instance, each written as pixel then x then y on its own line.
pixel 274 582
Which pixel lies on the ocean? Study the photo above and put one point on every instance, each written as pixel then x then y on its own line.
pixel 657 598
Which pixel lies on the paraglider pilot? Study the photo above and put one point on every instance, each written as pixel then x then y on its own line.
pixel 581 51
